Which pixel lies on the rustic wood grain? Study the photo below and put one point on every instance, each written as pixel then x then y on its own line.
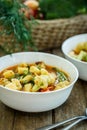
pixel 11 119
pixel 6 117
pixel 30 121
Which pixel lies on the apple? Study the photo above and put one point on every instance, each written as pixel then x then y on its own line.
pixel 32 9
pixel 33 4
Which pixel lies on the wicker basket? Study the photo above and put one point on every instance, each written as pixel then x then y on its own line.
pixel 51 33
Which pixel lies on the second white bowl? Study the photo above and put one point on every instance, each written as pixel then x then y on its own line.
pixel 67 46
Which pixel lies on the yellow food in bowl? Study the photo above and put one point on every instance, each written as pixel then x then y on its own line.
pixel 80 52
pixel 36 77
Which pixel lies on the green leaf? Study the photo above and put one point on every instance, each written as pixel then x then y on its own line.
pixel 13 20
pixel 53 9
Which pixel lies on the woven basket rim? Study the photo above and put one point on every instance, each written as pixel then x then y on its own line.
pixel 63 19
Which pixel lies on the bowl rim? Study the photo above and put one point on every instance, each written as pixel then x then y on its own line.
pixel 65 43
pixel 48 92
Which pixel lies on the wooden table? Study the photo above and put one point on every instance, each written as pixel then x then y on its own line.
pixel 75 105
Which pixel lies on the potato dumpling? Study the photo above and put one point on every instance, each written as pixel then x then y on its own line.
pixel 42 81
pixel 34 69
pixel 4 81
pixel 22 70
pixel 35 88
pixel 26 79
pixel 62 85
pixel 27 87
pixel 17 83
pixel 44 71
pixel 12 86
pixel 9 74
pixel 52 78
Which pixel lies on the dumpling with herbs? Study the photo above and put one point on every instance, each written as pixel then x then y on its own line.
pixel 35 77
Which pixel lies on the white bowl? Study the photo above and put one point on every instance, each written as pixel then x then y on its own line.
pixel 36 101
pixel 67 46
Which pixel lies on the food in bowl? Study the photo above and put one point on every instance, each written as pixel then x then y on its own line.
pixel 37 101
pixel 74 42
pixel 36 77
pixel 80 52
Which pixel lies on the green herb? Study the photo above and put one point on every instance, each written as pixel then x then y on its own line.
pixel 16 24
pixel 53 9
pixel 61 76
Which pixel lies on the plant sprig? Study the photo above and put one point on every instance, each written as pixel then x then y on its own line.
pixel 14 22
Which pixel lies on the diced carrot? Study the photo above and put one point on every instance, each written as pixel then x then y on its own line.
pixel 50 88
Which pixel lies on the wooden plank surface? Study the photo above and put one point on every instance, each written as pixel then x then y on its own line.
pixel 75 105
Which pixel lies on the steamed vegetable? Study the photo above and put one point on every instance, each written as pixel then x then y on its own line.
pixel 80 52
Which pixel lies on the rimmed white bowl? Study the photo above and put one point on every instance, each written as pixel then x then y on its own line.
pixel 67 46
pixel 36 101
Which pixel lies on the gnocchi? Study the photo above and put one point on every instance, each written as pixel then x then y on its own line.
pixel 35 77
pixel 80 52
